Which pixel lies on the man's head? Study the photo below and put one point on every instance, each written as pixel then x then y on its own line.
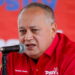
pixel 36 28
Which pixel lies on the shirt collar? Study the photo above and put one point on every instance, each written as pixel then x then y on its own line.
pixel 52 47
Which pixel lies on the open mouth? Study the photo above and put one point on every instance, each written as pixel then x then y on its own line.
pixel 30 46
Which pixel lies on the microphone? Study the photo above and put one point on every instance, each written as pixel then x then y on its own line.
pixel 15 48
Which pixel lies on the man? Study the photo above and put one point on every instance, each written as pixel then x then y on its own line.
pixel 47 52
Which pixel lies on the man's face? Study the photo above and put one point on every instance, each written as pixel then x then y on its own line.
pixel 35 32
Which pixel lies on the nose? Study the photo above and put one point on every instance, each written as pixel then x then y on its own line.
pixel 28 36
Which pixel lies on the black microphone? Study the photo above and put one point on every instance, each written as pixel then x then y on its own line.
pixel 15 48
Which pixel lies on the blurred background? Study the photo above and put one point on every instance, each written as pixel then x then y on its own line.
pixel 9 9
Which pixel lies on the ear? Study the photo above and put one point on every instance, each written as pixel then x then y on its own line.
pixel 53 26
pixel 53 29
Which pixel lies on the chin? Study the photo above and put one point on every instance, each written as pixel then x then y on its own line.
pixel 33 56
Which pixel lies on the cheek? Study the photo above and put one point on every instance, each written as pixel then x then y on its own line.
pixel 43 45
pixel 43 42
pixel 21 39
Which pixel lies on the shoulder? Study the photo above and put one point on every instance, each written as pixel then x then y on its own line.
pixel 65 42
pixel 66 50
pixel 66 47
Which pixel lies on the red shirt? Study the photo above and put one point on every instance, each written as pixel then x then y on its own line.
pixel 58 59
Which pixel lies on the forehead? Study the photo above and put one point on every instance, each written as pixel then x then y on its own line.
pixel 29 26
pixel 32 11
pixel 32 17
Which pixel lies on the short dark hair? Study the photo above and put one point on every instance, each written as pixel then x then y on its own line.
pixel 47 8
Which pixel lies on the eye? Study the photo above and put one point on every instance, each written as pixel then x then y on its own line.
pixel 22 31
pixel 34 30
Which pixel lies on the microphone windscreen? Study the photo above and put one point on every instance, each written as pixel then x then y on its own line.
pixel 22 48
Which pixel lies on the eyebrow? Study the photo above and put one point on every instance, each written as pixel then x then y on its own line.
pixel 32 27
pixel 21 27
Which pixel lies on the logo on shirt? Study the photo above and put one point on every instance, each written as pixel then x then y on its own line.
pixel 21 71
pixel 52 72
